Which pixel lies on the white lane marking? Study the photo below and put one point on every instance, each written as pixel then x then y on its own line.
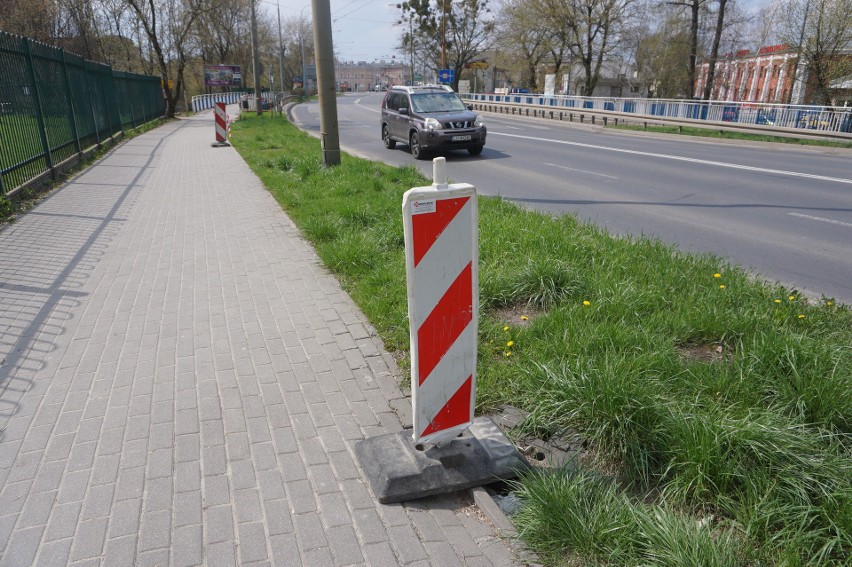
pixel 581 170
pixel 358 102
pixel 680 158
pixel 820 219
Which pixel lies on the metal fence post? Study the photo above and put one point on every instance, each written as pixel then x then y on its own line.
pixel 39 116
pixel 72 118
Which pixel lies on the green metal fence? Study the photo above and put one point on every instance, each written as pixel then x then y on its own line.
pixel 54 106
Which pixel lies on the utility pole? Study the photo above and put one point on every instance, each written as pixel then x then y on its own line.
pixel 280 52
pixel 255 59
pixel 324 50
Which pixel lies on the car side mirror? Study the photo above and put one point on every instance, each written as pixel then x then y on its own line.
pixel 470 107
pixel 403 110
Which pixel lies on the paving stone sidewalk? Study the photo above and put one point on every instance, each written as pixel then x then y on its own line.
pixel 182 382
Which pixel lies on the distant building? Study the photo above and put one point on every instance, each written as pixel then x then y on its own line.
pixel 769 75
pixel 766 75
pixel 364 76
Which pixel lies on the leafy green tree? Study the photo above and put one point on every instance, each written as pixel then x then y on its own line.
pixel 450 33
pixel 821 31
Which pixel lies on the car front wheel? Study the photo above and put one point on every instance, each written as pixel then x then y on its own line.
pixel 414 143
pixel 389 142
pixel 475 151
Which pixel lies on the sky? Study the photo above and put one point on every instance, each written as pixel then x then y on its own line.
pixel 362 30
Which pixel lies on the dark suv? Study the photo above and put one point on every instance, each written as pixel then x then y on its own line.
pixel 430 118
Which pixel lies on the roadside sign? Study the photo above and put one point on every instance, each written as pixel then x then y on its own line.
pixel 446 76
pixel 442 268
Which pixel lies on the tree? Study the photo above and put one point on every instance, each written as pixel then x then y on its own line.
pixel 662 56
pixel 167 25
pixel 594 31
pixel 524 34
pixel 821 31
pixel 460 31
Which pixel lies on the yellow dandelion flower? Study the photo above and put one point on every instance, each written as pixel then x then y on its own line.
pixel 507 353
pixel 524 318
pixel 717 275
pixel 777 301
pixel 801 316
pixel 510 343
pixel 587 303
pixel 722 286
pixel 792 298
pixel 829 303
pixel 506 328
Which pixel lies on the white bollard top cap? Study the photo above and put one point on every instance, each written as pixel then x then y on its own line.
pixel 439 173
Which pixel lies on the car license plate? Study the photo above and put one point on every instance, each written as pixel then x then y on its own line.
pixel 461 138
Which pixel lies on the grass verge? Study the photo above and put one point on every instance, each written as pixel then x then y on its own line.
pixel 727 135
pixel 720 409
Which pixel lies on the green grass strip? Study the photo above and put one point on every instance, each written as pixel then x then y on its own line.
pixel 729 135
pixel 721 407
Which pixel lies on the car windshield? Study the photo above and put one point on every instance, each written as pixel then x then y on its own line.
pixel 436 102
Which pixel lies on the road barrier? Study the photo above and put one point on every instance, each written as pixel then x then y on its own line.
pixel 203 102
pixel 834 121
pixel 440 227
pixel 56 108
pixel 221 126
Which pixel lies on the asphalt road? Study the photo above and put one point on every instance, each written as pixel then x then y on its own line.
pixel 785 213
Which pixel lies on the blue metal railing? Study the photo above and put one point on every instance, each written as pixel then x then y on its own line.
pixel 811 117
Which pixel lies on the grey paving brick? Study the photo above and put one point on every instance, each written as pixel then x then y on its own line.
pixel 243 474
pixel 160 463
pixel 301 496
pixel 223 554
pixel 345 546
pixel 54 553
pixel 323 479
pixel 48 477
pixel 120 551
pixel 187 546
pixel 285 550
pixel 22 547
pixel 155 558
pixel 188 448
pixel 380 554
pixel 89 539
pixel 73 487
pixel 406 544
pixel 271 484
pixel 247 505
pixel 124 518
pixel 98 502
pixel 369 526
pixel 36 510
pixel 216 490
pixel 82 456
pixel 187 508
pixel 252 543
pixel 309 531
pixel 156 530
pixel 278 517
pixel 219 524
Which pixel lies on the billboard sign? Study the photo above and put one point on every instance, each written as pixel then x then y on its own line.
pixel 223 76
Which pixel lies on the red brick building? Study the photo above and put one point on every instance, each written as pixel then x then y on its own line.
pixel 766 75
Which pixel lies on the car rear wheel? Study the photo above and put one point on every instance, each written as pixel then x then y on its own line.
pixel 414 143
pixel 475 151
pixel 389 142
